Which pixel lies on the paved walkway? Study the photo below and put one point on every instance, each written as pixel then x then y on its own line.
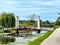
pixel 53 39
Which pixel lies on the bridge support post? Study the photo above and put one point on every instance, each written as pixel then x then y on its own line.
pixel 38 22
pixel 16 22
pixel 39 30
pixel 17 32
pixel 17 25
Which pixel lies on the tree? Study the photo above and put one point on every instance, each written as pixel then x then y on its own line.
pixel 8 19
pixel 0 20
pixel 47 22
pixel 32 17
pixel 27 23
pixel 32 21
pixel 58 21
pixel 58 13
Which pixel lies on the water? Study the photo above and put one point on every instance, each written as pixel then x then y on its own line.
pixel 25 40
pixel 42 32
pixel 21 39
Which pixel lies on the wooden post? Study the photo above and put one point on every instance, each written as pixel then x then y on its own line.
pixel 39 30
pixel 17 32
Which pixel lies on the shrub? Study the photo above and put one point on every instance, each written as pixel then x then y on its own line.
pixel 11 39
pixel 56 26
pixel 5 40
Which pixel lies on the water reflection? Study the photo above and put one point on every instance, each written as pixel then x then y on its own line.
pixel 43 32
pixel 24 40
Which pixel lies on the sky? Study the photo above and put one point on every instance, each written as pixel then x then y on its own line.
pixel 46 9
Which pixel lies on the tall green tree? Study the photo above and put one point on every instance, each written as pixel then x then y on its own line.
pixel 8 19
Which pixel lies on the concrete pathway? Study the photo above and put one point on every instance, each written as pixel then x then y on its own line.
pixel 53 39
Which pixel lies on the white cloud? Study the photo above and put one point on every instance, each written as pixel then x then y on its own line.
pixel 10 2
pixel 35 8
pixel 32 10
pixel 43 3
pixel 54 20
pixel 49 3
pixel 39 10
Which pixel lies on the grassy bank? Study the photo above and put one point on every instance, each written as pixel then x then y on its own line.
pixel 40 39
pixel 7 31
pixel 1 31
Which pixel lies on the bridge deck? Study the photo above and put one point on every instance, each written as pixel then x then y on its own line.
pixel 32 28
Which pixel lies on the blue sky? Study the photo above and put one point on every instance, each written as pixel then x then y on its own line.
pixel 46 9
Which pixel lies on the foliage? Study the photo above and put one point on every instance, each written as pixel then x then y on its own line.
pixel 0 20
pixel 5 40
pixel 56 26
pixel 40 39
pixel 27 23
pixel 30 21
pixel 34 23
pixel 58 21
pixel 46 23
pixel 8 19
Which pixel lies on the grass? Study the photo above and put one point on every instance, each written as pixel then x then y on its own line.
pixel 1 31
pixel 12 31
pixel 9 31
pixel 40 39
